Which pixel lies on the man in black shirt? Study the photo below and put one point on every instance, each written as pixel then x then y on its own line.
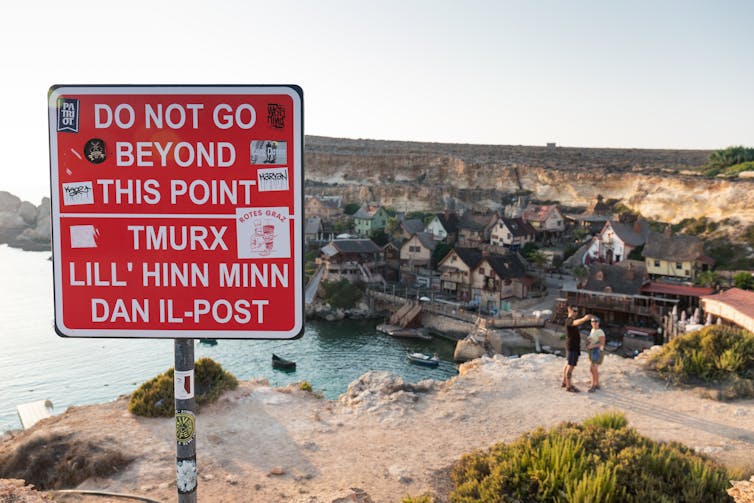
pixel 573 346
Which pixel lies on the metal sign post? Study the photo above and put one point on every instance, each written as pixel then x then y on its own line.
pixel 185 421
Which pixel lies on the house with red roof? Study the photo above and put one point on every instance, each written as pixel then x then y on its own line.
pixel 546 219
pixel 733 306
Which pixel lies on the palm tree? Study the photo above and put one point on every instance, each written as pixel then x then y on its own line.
pixel 540 259
pixel 708 279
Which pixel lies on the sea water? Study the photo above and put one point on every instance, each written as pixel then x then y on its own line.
pixel 36 364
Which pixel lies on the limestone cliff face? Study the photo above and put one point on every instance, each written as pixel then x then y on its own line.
pixel 660 184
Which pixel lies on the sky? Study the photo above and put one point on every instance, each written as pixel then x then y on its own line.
pixel 637 74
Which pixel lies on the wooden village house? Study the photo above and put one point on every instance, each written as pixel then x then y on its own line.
pixel 416 252
pixel 407 228
pixel 674 256
pixel 613 292
pixel 369 218
pixel 499 277
pixel 324 207
pixel 546 219
pixel 474 228
pixel 455 271
pixel 444 227
pixel 616 241
pixel 357 260
pixel 512 233
pixel 733 307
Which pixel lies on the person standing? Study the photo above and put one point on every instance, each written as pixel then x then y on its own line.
pixel 573 346
pixel 595 346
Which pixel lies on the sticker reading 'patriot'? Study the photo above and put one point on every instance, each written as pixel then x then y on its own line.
pixel 68 115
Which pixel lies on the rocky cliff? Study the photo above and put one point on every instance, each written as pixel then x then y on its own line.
pixel 660 184
pixel 23 225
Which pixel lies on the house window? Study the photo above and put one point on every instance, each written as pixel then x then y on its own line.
pixel 678 265
pixel 657 263
pixel 481 271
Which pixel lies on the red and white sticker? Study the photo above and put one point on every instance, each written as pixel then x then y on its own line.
pixel 184 384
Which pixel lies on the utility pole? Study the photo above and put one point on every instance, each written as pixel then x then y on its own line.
pixel 185 421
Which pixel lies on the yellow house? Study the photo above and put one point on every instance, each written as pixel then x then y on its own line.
pixel 678 256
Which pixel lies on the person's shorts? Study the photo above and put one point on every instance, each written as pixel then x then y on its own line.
pixel 596 356
pixel 573 357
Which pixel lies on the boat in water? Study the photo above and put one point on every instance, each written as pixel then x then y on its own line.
pixel 282 363
pixel 425 360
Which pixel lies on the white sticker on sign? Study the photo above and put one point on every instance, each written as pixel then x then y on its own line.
pixel 184 384
pixel 78 193
pixel 263 233
pixel 269 179
pixel 84 236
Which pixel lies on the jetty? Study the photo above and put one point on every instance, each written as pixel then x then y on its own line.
pixel 30 413
pixel 406 311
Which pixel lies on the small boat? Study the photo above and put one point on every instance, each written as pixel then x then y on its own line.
pixel 282 363
pixel 422 359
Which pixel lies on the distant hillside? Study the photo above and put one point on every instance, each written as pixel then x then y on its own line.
pixel 664 185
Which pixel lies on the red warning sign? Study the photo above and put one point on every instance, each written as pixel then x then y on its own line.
pixel 177 211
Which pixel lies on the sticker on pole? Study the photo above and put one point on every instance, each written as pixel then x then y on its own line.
pixel 183 381
pixel 177 211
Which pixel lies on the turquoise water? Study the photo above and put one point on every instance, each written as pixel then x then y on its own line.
pixel 36 364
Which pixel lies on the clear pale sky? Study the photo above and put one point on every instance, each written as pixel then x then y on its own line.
pixel 646 74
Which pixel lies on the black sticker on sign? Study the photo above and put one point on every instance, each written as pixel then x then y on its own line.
pixel 94 151
pixel 68 115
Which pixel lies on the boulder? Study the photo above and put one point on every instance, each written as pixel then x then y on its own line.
pixel 23 225
pixel 28 213
pixel 8 202
pixel 468 349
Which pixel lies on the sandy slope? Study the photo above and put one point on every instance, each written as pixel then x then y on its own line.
pixel 259 444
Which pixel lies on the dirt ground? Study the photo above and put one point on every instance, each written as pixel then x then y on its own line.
pixel 383 439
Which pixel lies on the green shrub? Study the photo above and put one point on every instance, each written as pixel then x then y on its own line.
pixel 728 255
pixel 715 355
pixel 601 460
pixel 424 498
pixel 305 386
pixel 743 280
pixel 156 397
pixel 341 294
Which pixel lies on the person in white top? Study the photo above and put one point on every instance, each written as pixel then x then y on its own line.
pixel 595 346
